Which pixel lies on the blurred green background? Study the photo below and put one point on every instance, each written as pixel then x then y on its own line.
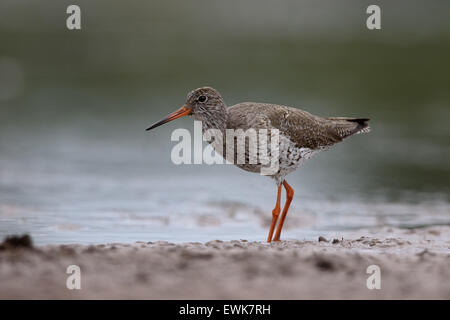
pixel 83 98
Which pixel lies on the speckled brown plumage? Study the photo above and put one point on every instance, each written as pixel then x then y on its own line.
pixel 304 130
pixel 302 134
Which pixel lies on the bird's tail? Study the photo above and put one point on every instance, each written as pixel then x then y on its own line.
pixel 349 126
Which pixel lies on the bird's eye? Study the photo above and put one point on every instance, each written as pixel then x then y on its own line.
pixel 202 99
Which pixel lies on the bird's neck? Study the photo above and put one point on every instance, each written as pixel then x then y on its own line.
pixel 215 119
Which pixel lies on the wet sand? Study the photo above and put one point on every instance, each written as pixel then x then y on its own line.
pixel 414 264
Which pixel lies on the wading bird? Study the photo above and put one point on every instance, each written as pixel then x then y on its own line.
pixel 301 135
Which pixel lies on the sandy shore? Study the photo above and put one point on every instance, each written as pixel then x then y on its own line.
pixel 413 264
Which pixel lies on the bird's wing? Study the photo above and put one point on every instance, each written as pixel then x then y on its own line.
pixel 303 128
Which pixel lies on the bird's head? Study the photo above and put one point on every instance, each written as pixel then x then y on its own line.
pixel 201 103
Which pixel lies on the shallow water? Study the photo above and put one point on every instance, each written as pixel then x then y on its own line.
pixel 107 190
pixel 77 166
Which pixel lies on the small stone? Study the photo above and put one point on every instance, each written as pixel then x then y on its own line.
pixel 322 239
pixel 16 242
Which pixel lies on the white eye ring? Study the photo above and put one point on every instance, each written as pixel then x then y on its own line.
pixel 202 99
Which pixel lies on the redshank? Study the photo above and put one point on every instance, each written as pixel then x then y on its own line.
pixel 301 135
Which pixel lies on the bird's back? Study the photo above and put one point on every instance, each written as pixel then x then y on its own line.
pixel 301 127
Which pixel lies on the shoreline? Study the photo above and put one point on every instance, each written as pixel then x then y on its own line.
pixel 414 264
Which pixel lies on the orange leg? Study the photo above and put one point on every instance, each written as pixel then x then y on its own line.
pixel 289 197
pixel 275 214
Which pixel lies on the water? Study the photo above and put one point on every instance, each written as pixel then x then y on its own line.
pixel 77 166
pixel 111 189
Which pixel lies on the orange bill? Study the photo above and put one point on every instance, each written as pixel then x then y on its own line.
pixel 183 111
